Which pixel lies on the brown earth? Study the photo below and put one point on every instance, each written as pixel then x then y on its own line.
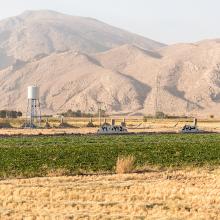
pixel 135 125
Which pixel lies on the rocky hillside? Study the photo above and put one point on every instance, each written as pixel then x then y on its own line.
pixel 78 62
pixel 38 33
pixel 183 78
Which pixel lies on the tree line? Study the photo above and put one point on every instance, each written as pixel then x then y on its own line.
pixel 79 113
pixel 10 114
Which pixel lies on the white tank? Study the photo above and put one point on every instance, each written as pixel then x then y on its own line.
pixel 33 92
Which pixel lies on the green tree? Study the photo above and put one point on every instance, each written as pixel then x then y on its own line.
pixel 160 115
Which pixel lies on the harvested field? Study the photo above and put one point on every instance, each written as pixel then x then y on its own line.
pixel 155 195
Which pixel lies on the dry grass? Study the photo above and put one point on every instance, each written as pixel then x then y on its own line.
pixel 58 172
pixel 192 194
pixel 152 125
pixel 125 164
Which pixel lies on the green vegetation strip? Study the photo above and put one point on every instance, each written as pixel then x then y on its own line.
pixel 36 156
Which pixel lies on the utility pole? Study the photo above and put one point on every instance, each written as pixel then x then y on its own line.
pixel 99 112
pixel 157 101
pixel 8 107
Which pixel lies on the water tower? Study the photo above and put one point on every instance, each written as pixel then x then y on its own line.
pixel 33 115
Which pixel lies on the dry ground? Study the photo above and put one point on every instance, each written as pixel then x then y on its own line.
pixel 192 194
pixel 133 125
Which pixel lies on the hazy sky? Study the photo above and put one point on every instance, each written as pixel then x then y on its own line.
pixel 168 21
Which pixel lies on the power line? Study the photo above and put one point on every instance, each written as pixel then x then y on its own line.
pixel 157 98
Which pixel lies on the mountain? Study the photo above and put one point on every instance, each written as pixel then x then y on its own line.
pixel 78 62
pixel 39 33
pixel 70 80
pixel 184 78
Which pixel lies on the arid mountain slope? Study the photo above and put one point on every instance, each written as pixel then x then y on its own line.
pixel 79 62
pixel 184 78
pixel 72 80
pixel 35 33
pixel 181 79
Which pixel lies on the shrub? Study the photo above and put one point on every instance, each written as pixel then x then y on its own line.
pixel 78 113
pixel 125 164
pixel 160 115
pixel 58 172
pixel 10 114
pixel 145 119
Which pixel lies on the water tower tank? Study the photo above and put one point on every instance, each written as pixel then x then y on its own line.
pixel 33 92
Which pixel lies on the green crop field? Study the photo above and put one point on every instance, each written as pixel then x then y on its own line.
pixel 36 156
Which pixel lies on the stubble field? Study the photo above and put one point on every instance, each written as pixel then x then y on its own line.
pixel 180 194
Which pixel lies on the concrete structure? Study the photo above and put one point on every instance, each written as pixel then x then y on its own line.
pixel 112 129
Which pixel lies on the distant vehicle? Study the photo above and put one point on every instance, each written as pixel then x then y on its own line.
pixel 190 129
pixel 112 129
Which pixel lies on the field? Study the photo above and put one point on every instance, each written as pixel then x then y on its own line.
pixel 76 154
pixel 181 194
pixel 72 176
